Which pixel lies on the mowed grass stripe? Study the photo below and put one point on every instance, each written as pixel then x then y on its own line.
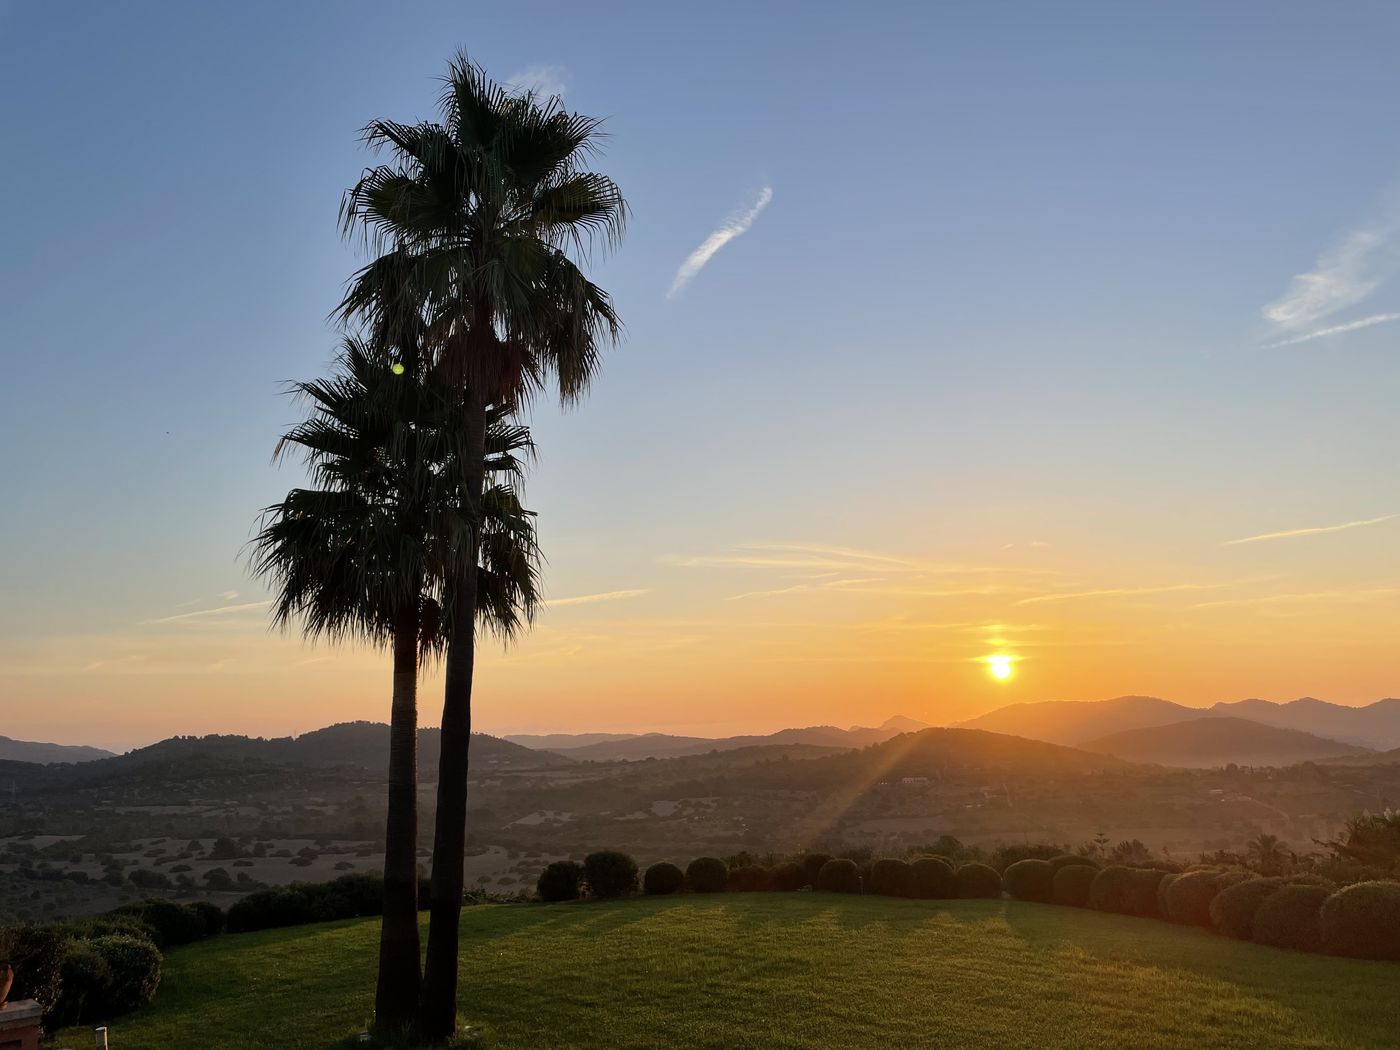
pixel 788 971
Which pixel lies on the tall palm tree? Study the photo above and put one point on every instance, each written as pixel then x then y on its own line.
pixel 368 553
pixel 477 222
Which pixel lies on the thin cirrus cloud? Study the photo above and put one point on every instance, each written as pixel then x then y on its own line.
pixel 1344 276
pixel 1120 592
pixel 593 599
pixel 207 614
pixel 735 226
pixel 1304 596
pixel 1318 530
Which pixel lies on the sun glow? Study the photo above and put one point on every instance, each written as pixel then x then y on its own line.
pixel 1000 666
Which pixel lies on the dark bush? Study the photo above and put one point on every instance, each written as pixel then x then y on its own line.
pixel 662 879
pixel 1071 884
pixel 1363 921
pixel 812 866
pixel 1126 891
pixel 134 966
pixel 1232 911
pixel 1187 900
pixel 1167 880
pixel 211 915
pixel 113 922
pixel 1030 880
pixel 1004 856
pixel 347 897
pixel 839 876
pixel 36 953
pixel 85 986
pixel 558 882
pixel 1291 917
pixel 892 878
pixel 789 877
pixel 1069 860
pixel 707 875
pixel 932 878
pixel 609 874
pixel 750 878
pixel 978 880
pixel 173 923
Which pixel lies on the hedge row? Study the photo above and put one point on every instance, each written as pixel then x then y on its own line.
pixel 80 977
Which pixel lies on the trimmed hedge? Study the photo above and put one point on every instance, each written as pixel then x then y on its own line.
pixel 133 965
pixel 812 866
pixel 609 874
pixel 1363 921
pixel 978 881
pixel 750 878
pixel 1186 901
pixel 839 876
pixel 84 978
pixel 1233 909
pixel 707 875
pixel 559 881
pixel 171 923
pixel 1126 891
pixel 1167 880
pixel 1069 860
pixel 662 879
pixel 1291 917
pixel 789 877
pixel 932 878
pixel 1071 883
pixel 211 915
pixel 36 953
pixel 1030 880
pixel 892 878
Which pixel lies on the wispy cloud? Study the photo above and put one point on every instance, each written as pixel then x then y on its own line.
pixel 227 596
pixel 591 599
pixel 1316 531
pixel 735 226
pixel 545 81
pixel 1120 592
pixel 1304 596
pixel 208 614
pixel 1344 276
pixel 832 560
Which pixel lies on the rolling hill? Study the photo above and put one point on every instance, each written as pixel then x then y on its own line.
pixel 33 751
pixel 1205 743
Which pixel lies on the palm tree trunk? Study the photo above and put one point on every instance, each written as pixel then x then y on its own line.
pixel 437 1015
pixel 396 995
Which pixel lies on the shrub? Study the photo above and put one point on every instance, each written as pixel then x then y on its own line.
pixel 1233 909
pixel 812 866
pixel 610 874
pixel 1004 856
pixel 662 879
pixel 134 965
pixel 892 878
pixel 86 982
pixel 978 880
pixel 750 878
pixel 1363 921
pixel 789 877
pixel 172 923
pixel 932 878
pixel 1187 900
pixel 1167 880
pixel 1291 917
pixel 558 882
pixel 707 875
pixel 1069 860
pixel 1126 891
pixel 1030 880
pixel 36 953
pixel 211 915
pixel 1071 883
pixel 839 876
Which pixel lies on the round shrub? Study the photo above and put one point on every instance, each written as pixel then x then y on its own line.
pixel 1363 921
pixel 1126 891
pixel 978 880
pixel 609 874
pixel 662 879
pixel 1291 917
pixel 1187 900
pixel 839 876
pixel 558 882
pixel 1167 880
pixel 750 878
pixel 211 915
pixel 892 878
pixel 812 866
pixel 789 877
pixel 932 878
pixel 174 924
pixel 1070 886
pixel 84 986
pixel 1232 911
pixel 1030 880
pixel 707 875
pixel 134 964
pixel 36 953
pixel 1069 860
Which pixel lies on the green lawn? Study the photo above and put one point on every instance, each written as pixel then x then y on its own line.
pixel 786 970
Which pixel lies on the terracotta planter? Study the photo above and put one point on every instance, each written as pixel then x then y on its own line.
pixel 7 978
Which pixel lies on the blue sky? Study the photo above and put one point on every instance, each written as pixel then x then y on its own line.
pixel 1008 307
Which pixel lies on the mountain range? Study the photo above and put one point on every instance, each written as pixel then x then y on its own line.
pixel 1205 743
pixel 34 751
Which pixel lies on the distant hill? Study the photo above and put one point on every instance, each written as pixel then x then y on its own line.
pixel 1212 741
pixel 1075 721
pixel 1376 725
pixel 664 745
pixel 32 751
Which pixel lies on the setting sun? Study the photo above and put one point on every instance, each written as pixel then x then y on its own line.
pixel 1000 666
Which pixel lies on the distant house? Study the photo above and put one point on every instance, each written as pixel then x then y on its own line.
pixel 914 781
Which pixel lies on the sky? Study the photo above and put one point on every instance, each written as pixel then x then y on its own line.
pixel 1064 333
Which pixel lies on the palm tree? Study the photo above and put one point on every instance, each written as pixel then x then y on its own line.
pixel 1268 853
pixel 368 553
pixel 475 221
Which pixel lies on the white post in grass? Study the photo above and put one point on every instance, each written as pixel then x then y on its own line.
pixel 101 1034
